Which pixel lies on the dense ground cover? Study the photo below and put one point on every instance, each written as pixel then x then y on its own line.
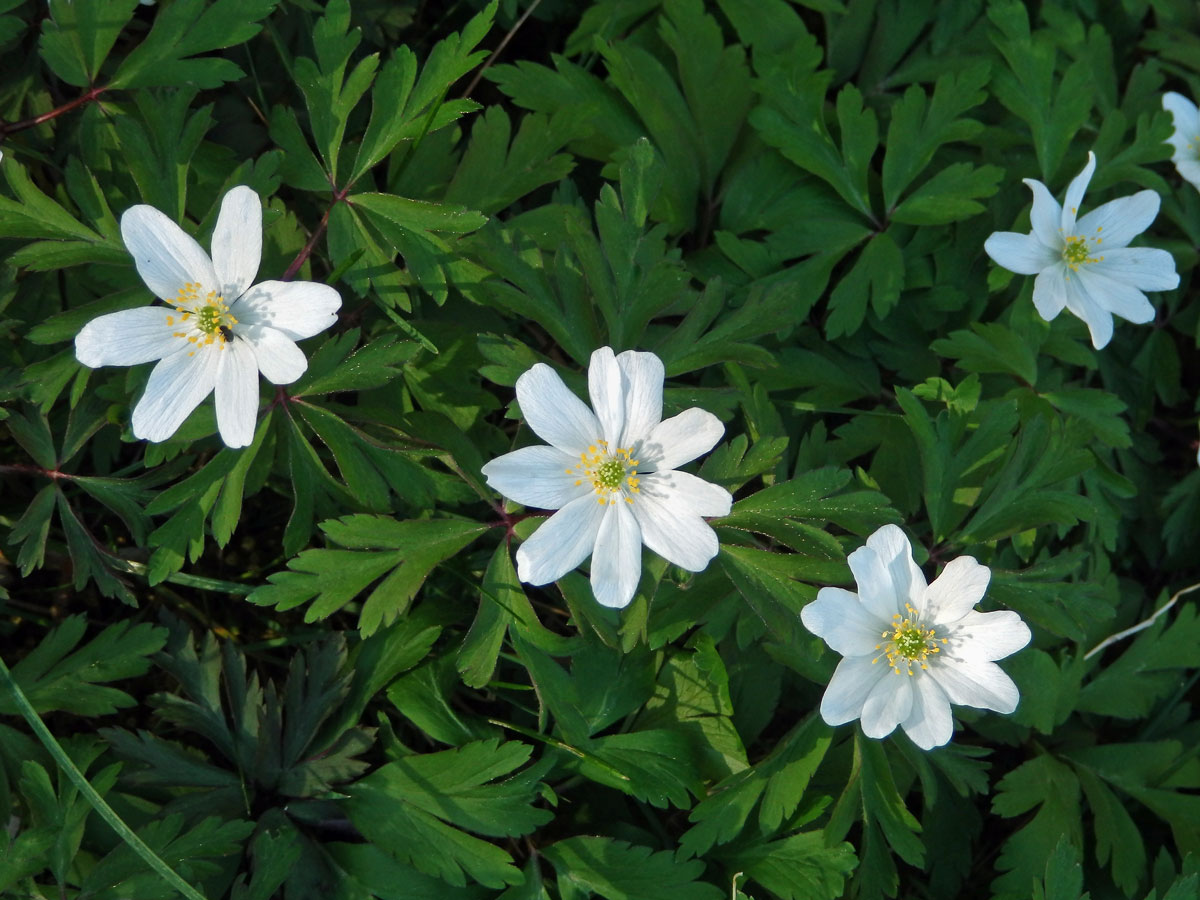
pixel 286 636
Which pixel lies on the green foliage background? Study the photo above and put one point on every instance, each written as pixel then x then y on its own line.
pixel 306 668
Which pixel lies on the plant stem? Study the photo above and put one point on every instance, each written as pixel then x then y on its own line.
pixel 85 788
pixel 7 128
pixel 307 249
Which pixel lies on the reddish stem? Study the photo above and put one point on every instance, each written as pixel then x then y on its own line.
pixel 307 249
pixel 7 128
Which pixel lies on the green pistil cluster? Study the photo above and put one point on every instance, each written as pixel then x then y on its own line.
pixel 610 474
pixel 209 319
pixel 1076 251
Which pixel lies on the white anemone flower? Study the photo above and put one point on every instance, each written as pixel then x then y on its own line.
pixel 911 649
pixel 1186 139
pixel 611 474
pixel 216 331
pixel 1087 264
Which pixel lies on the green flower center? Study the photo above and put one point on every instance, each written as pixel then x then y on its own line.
pixel 612 473
pixel 908 642
pixel 1076 251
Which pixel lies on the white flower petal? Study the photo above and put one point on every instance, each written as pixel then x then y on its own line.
pixel 298 309
pixel 987 636
pixel 176 386
pixel 977 683
pixel 608 395
pixel 929 724
pixel 1146 268
pixel 887 705
pixel 843 623
pixel 1119 221
pixel 237 241
pixel 644 374
pixel 537 477
pixel 556 415
pixel 561 543
pixel 236 393
pixel 875 589
pixel 1095 317
pixel 1119 298
pixel 689 492
pixel 1189 169
pixel 127 338
pixel 1075 192
pixel 848 689
pixel 894 553
pixel 1045 216
pixel 955 592
pixel 1187 121
pixel 670 528
pixel 617 559
pixel 1020 253
pixel 279 359
pixel 679 440
pixel 1050 291
pixel 165 256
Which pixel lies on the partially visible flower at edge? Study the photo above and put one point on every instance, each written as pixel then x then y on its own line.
pixel 611 475
pixel 1086 265
pixel 1186 139
pixel 217 331
pixel 910 649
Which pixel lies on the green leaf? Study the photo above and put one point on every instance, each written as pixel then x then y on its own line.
pixel 1046 784
pixel 410 807
pixel 77 38
pixel 188 28
pixel 57 676
pixel 799 867
pixel 949 196
pixel 990 347
pixel 877 276
pixel 617 870
pixel 405 552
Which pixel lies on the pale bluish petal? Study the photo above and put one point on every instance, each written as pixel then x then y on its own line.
pixel 237 241
pixel 1020 253
pixel 852 681
pixel 955 592
pixel 1117 297
pixel 977 683
pixel 671 529
pixel 537 477
pixel 895 553
pixel 693 494
pixel 1095 317
pixel 1119 221
pixel 888 704
pixel 237 394
pixel 279 359
pixel 608 395
pixel 1075 192
pixel 561 543
pixel 176 386
pixel 166 257
pixel 617 559
pixel 875 589
pixel 987 636
pixel 1046 215
pixel 644 376
pixel 679 440
pixel 1187 122
pixel 1050 291
pixel 1146 268
pixel 929 723
pixel 556 415
pixel 127 338
pixel 1190 170
pixel 298 309
pixel 843 623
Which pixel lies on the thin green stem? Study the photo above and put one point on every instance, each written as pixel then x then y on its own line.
pixel 124 832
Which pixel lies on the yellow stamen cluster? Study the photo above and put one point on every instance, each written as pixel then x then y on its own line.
pixel 908 642
pixel 205 319
pixel 1078 249
pixel 610 472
